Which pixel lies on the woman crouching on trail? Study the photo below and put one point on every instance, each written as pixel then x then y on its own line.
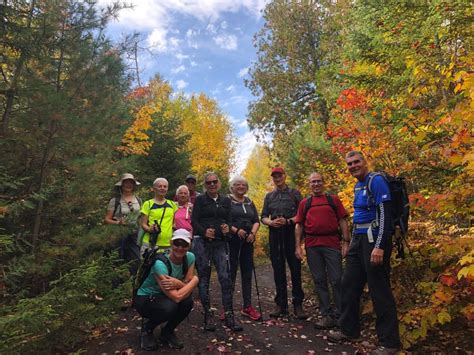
pixel 166 296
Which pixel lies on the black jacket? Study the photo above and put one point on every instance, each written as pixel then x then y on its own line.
pixel 208 213
pixel 281 203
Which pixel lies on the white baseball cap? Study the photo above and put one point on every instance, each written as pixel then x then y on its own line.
pixel 182 234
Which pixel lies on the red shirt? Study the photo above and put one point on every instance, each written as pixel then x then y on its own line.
pixel 321 223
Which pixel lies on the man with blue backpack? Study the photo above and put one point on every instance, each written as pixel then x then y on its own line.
pixel 368 258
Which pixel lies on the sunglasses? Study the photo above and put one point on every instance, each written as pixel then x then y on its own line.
pixel 180 243
pixel 316 181
pixel 130 206
pixel 212 182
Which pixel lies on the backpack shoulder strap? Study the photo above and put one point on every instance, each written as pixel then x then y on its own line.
pixel 293 195
pixel 140 202
pixel 117 204
pixel 162 257
pixel 185 265
pixel 371 178
pixel 331 203
pixel 307 206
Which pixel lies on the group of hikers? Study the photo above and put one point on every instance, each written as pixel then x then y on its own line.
pixel 197 229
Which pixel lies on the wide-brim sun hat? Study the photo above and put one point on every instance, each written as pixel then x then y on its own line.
pixel 127 176
pixel 182 234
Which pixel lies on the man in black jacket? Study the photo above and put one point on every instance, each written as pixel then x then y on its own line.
pixel 279 213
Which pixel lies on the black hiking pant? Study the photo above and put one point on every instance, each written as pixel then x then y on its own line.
pixel 358 271
pixel 159 309
pixel 241 254
pixel 282 246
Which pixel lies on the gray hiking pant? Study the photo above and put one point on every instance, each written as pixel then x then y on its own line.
pixel 326 263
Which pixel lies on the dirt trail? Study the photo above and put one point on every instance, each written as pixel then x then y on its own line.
pixel 270 336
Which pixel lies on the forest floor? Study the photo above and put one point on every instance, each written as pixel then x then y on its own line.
pixel 270 336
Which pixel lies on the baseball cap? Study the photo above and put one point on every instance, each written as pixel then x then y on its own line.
pixel 277 170
pixel 190 177
pixel 182 234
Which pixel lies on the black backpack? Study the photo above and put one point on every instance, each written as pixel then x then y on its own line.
pixel 149 258
pixel 400 206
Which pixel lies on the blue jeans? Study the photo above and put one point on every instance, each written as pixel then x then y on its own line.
pixel 326 263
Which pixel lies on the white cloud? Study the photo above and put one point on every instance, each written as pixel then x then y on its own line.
pixel 190 37
pixel 181 56
pixel 238 99
pixel 181 84
pixel 226 41
pixel 224 25
pixel 243 72
pixel 211 29
pixel 179 69
pixel 230 88
pixel 193 63
pixel 245 146
pixel 157 39
pixel 243 124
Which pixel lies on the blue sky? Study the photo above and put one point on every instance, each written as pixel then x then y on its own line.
pixel 199 46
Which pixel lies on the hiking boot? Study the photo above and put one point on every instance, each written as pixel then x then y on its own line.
pixel 382 350
pixel 209 325
pixel 148 342
pixel 231 323
pixel 325 323
pixel 299 312
pixel 337 336
pixel 171 339
pixel 279 312
pixel 251 312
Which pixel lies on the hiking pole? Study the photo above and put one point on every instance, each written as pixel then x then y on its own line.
pixel 256 288
pixel 234 279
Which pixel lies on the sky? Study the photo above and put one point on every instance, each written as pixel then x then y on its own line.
pixel 199 46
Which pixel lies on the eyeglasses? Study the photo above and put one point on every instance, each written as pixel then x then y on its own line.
pixel 180 243
pixel 212 182
pixel 130 206
pixel 316 181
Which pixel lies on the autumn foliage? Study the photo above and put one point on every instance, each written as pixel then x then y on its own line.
pixel 401 89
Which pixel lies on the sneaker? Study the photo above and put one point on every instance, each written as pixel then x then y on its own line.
pixel 171 339
pixel 382 350
pixel 279 312
pixel 299 312
pixel 148 342
pixel 231 323
pixel 325 323
pixel 337 336
pixel 251 312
